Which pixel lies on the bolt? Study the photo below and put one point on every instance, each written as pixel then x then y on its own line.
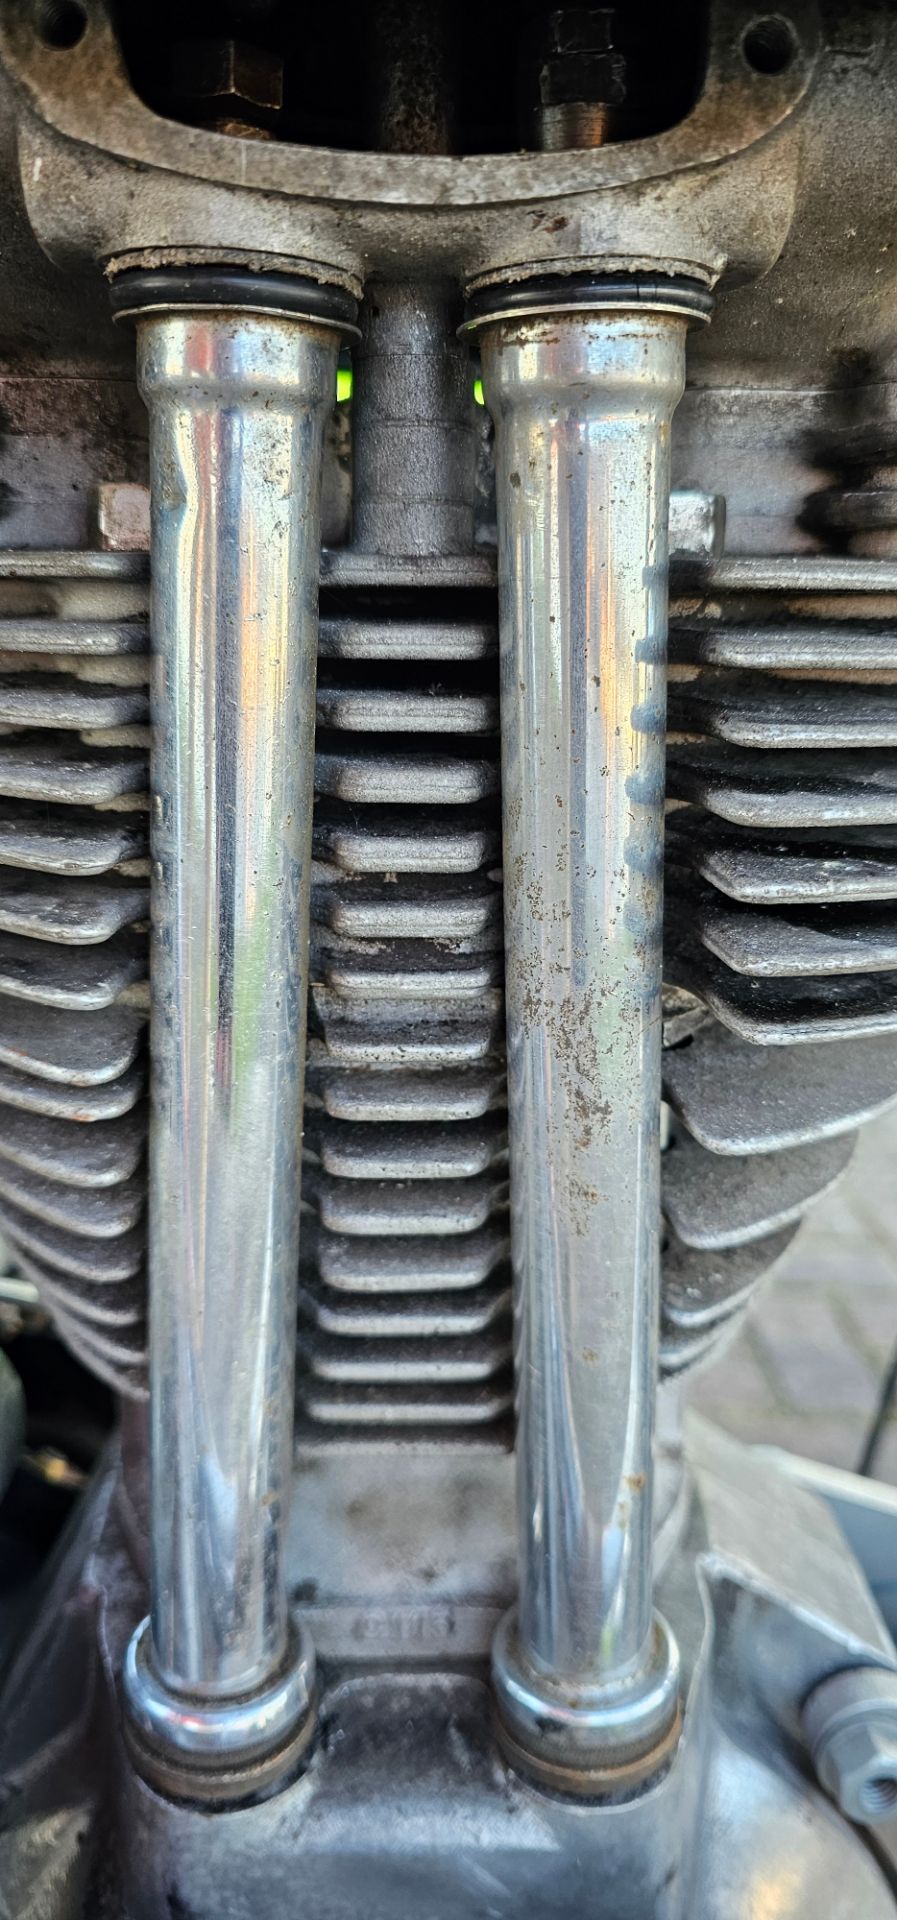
pixel 228 85
pixel 122 516
pixel 697 522
pixel 580 79
pixel 850 1723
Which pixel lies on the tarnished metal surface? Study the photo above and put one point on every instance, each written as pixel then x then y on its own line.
pixel 717 642
pixel 355 707
pixel 790 867
pixel 735 1098
pixel 783 665
pixel 63 427
pixel 79 1051
pixel 415 1213
pixel 735 1816
pixel 423 872
pixel 789 713
pixel 784 751
pixel 489 215
pixel 811 789
pixel 721 1200
pixel 97 1156
pixel 67 911
pixel 413 428
pixel 784 1013
pixel 702 1287
pixel 77 774
pixel 813 943
pixel 71 1127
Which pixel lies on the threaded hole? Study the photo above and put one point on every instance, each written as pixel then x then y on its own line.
pixel 61 23
pixel 769 45
pixel 878 1796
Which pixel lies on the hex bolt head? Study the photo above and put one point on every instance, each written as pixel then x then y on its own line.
pixel 580 30
pixel 577 60
pixel 850 1723
pixel 572 78
pixel 227 82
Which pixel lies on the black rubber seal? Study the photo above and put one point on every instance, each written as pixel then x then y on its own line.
pixel 546 292
pixel 139 289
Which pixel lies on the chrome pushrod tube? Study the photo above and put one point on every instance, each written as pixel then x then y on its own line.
pixel 219 1682
pixel 585 1671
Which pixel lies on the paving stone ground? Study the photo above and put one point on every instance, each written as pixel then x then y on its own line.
pixel 805 1370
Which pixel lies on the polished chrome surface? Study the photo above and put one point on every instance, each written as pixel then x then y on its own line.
pixel 204 1732
pixel 582 1737
pixel 237 407
pixel 582 407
